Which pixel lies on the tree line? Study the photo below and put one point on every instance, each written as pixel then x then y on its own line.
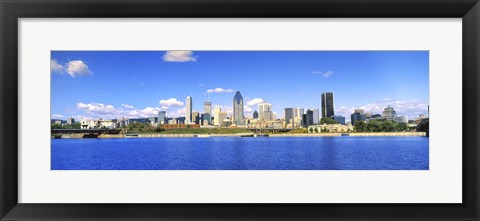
pixel 380 126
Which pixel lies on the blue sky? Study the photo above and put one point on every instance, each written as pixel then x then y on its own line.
pixel 109 84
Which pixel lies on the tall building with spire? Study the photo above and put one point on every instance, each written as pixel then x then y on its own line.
pixel 188 110
pixel 238 117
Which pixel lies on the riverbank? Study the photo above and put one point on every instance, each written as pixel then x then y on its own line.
pixel 160 135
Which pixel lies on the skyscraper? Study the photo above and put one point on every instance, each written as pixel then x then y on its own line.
pixel 206 119
pixel 207 109
pixel 307 118
pixel 328 104
pixel 316 115
pixel 356 117
pixel 161 117
pixel 339 119
pixel 297 117
pixel 216 116
pixel 222 116
pixel 265 111
pixel 289 115
pixel 188 110
pixel 196 117
pixel 238 109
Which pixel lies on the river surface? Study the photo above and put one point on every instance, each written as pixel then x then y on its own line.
pixel 232 153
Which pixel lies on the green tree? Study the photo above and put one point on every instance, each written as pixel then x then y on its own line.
pixel 387 126
pixel 310 129
pixel 56 126
pixel 360 126
pixel 315 130
pixel 327 120
pixel 374 126
pixel 402 127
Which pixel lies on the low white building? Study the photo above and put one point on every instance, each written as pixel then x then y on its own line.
pixel 97 124
pixel 330 128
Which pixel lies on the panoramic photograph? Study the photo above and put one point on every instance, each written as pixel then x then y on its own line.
pixel 239 110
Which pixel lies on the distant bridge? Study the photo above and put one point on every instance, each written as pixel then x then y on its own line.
pixel 86 131
pixel 423 126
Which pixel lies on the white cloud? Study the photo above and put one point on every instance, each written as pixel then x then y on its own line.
pixel 127 106
pixel 73 68
pixel 179 56
pixel 98 110
pixel 247 110
pixel 323 74
pixel 201 85
pixel 220 90
pixel 106 111
pixel 177 112
pixel 55 67
pixel 77 68
pixel 171 102
pixel 255 101
pixel 146 112
pixel 56 116
pixel 327 74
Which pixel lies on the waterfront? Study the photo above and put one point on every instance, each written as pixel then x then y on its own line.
pixel 235 153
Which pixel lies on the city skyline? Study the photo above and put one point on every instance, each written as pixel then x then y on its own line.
pixel 140 84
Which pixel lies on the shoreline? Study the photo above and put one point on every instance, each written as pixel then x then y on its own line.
pixel 158 135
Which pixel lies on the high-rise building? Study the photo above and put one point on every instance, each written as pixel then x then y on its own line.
pixel 207 109
pixel 307 118
pixel 162 117
pixel 255 115
pixel 289 115
pixel 265 111
pixel 206 119
pixel 216 116
pixel 297 117
pixel 356 117
pixel 222 116
pixel 298 112
pixel 188 110
pixel 328 105
pixel 196 117
pixel 238 117
pixel 316 115
pixel 339 119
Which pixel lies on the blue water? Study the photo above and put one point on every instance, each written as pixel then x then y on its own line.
pixel 292 153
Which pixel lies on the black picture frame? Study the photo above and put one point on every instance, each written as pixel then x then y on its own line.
pixel 12 10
